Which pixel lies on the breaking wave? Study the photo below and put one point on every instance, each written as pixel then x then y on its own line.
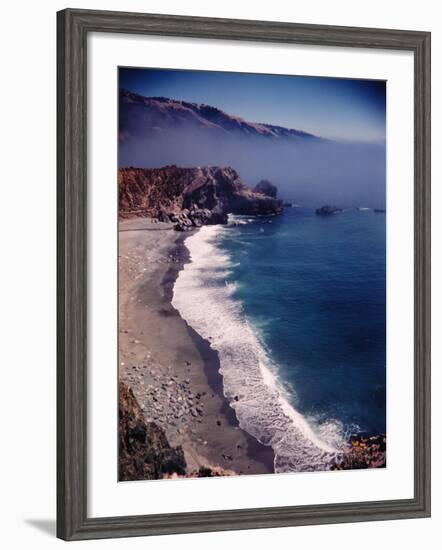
pixel 206 300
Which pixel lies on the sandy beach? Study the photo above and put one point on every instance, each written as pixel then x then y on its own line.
pixel 172 371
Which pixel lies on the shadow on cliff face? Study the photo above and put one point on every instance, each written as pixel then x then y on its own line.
pixel 309 170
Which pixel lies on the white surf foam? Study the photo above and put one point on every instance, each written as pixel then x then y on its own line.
pixel 234 220
pixel 205 299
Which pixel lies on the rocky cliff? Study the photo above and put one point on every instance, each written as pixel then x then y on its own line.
pixel 266 188
pixel 190 197
pixel 144 451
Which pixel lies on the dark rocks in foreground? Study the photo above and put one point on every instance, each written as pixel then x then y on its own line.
pixel 144 452
pixel 327 210
pixel 196 217
pixel 191 197
pixel 363 452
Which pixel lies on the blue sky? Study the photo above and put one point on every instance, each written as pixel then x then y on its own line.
pixel 336 108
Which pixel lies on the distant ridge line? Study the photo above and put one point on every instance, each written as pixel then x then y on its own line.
pixel 217 117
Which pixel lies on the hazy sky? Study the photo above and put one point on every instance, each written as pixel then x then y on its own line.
pixel 329 107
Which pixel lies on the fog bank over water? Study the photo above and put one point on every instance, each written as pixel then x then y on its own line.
pixel 307 170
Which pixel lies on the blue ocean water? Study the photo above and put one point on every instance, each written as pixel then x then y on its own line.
pixel 295 305
pixel 315 288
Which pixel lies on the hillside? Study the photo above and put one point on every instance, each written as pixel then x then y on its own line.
pixel 141 115
pixel 158 131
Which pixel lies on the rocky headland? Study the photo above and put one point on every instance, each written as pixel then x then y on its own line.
pixel 191 197
pixel 266 188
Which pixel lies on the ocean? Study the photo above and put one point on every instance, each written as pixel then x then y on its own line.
pixel 295 306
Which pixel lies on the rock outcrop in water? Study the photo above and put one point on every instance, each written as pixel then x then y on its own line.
pixel 190 197
pixel 327 210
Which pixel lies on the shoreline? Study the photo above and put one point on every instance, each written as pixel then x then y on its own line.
pixel 211 361
pixel 173 371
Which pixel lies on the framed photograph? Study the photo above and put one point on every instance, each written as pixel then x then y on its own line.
pixel 243 274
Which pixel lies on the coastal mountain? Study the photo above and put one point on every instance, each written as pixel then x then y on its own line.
pixel 159 131
pixel 190 197
pixel 140 115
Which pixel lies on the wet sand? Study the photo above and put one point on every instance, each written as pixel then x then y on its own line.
pixel 173 372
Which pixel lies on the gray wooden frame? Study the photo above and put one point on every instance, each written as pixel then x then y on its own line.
pixel 73 27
